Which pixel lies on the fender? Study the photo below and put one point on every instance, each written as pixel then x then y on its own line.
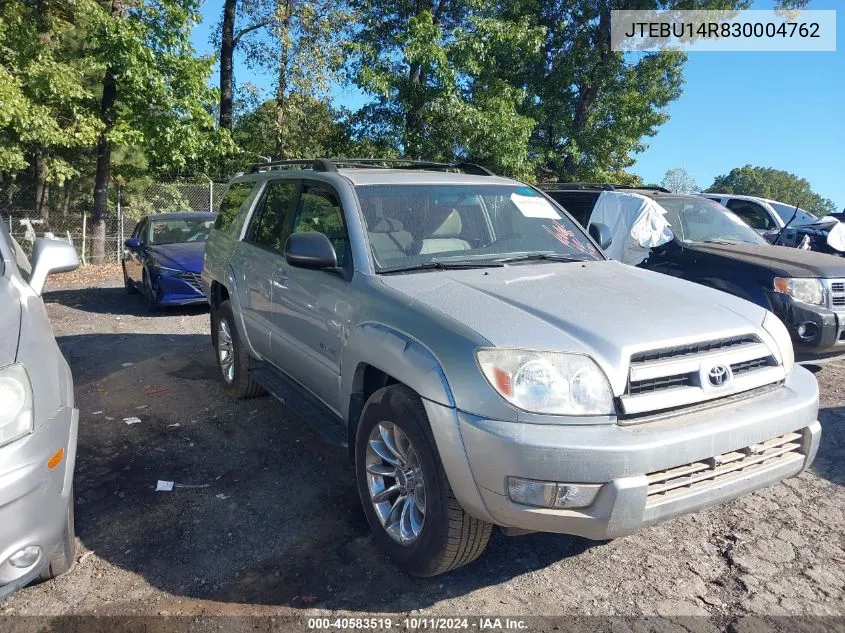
pixel 231 286
pixel 413 364
pixel 397 354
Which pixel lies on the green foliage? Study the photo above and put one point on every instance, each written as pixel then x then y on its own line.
pixel 774 184
pixel 678 180
pixel 431 72
pixel 45 87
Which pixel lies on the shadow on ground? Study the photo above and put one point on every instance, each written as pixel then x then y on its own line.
pixel 830 460
pixel 115 300
pixel 269 513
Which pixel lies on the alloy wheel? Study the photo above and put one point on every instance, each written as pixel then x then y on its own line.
pixel 396 482
pixel 226 350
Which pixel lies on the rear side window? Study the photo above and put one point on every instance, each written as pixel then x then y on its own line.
pixel 267 228
pixel 319 210
pixel 752 213
pixel 233 200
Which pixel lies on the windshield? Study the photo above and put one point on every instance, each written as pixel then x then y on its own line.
pixel 702 221
pixel 179 230
pixel 415 225
pixel 785 212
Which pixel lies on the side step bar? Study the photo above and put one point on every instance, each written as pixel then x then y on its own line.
pixel 302 402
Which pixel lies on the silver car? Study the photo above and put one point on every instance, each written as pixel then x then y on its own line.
pixel 485 364
pixel 38 422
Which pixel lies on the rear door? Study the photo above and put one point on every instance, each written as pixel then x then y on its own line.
pixel 256 259
pixel 312 307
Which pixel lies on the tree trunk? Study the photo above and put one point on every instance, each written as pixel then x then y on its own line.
pixel 101 177
pixel 284 12
pixel 42 189
pixel 227 53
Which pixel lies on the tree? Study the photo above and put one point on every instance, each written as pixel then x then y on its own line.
pixel 154 94
pixel 678 180
pixel 44 87
pixel 774 184
pixel 259 15
pixel 429 67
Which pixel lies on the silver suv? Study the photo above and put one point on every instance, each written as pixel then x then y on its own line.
pixel 485 364
pixel 38 422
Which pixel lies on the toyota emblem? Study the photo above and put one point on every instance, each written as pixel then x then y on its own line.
pixel 719 375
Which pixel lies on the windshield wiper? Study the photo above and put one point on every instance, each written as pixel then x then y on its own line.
pixel 451 265
pixel 722 241
pixel 548 257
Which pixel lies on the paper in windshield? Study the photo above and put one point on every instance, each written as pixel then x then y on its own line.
pixel 534 207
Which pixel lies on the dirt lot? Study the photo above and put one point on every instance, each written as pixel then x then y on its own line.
pixel 276 527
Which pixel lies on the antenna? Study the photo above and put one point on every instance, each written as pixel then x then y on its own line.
pixel 794 214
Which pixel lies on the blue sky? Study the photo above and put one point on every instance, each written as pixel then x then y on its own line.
pixel 781 110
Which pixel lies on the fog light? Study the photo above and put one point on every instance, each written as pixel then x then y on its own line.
pixel 550 494
pixel 25 557
pixel 807 330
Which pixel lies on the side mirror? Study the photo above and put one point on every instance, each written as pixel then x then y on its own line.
pixel 132 242
pixel 601 233
pixel 51 256
pixel 310 250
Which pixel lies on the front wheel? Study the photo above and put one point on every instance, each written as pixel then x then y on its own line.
pixel 406 496
pixel 232 356
pixel 127 284
pixel 150 293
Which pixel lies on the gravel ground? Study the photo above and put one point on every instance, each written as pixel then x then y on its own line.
pixel 268 520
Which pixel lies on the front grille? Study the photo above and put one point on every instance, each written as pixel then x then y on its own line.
pixel 836 294
pixel 664 485
pixel 655 384
pixel 693 348
pixel 194 280
pixel 672 377
pixel 752 365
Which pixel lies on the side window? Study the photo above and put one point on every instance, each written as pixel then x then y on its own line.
pixel 233 200
pixel 752 214
pixel 268 221
pixel 319 210
pixel 141 231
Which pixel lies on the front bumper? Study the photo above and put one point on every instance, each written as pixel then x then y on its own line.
pixel 185 289
pixel 826 328
pixel 33 498
pixel 621 459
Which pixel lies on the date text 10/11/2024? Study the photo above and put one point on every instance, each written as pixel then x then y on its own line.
pixel 419 623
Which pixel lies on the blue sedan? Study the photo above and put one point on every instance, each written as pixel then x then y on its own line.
pixel 163 258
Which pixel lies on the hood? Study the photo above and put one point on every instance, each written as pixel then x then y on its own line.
pixel 605 309
pixel 182 256
pixel 782 261
pixel 10 321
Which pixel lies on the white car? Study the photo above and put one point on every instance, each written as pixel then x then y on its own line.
pixel 761 214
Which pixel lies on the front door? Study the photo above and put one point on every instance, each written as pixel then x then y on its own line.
pixel 133 257
pixel 312 307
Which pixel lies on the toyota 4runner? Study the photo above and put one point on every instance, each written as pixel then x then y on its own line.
pixel 485 364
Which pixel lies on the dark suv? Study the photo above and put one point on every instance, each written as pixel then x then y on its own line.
pixel 714 247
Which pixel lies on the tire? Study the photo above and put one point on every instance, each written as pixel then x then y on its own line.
pixel 449 538
pixel 236 379
pixel 128 285
pixel 149 294
pixel 64 557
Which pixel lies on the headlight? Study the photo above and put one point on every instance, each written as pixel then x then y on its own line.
pixel 15 404
pixel 164 271
pixel 775 327
pixel 553 383
pixel 803 290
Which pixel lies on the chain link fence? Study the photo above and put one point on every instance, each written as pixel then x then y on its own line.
pixel 67 212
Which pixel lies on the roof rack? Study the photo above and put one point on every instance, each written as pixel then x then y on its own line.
pixel 333 164
pixel 601 186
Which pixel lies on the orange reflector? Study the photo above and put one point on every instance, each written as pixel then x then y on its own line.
pixel 56 459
